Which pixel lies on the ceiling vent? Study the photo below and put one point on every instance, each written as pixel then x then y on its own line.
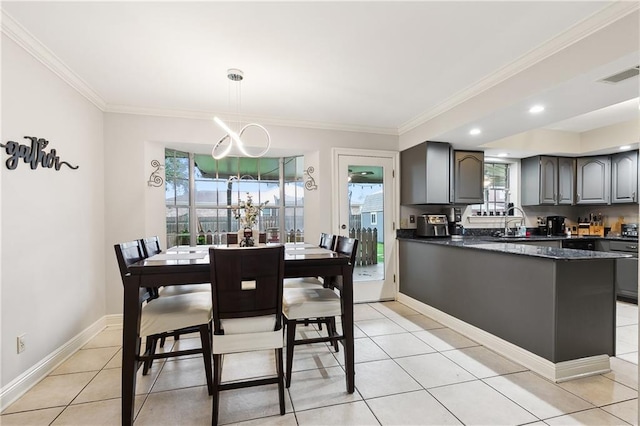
pixel 621 76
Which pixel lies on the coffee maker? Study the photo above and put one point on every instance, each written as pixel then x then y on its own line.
pixel 455 221
pixel 555 225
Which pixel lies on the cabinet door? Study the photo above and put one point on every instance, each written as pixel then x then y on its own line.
pixel 438 172
pixel 468 177
pixel 624 177
pixel 566 180
pixel 413 175
pixel 548 180
pixel 593 184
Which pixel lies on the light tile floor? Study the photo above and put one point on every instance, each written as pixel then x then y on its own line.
pixel 410 370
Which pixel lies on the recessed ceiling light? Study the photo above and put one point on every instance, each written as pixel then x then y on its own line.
pixel 536 109
pixel 625 147
pixel 475 131
pixel 503 154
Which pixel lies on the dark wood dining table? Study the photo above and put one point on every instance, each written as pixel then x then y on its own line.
pixel 190 265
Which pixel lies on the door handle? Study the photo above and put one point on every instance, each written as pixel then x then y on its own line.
pixel 343 226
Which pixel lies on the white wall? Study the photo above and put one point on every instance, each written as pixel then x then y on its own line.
pixel 134 210
pixel 52 221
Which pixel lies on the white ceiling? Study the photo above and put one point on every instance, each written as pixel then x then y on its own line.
pixel 371 66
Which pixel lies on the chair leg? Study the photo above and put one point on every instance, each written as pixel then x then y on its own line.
pixel 280 379
pixel 217 361
pixel 206 354
pixel 333 332
pixel 149 351
pixel 291 337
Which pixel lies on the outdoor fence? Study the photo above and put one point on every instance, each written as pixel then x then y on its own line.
pixel 367 245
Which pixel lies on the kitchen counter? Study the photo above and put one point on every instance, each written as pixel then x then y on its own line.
pixel 511 246
pixel 550 309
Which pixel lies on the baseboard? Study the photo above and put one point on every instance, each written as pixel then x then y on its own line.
pixel 21 384
pixel 114 320
pixel 557 372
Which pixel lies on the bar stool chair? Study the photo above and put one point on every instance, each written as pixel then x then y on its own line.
pixel 165 316
pixel 317 305
pixel 247 311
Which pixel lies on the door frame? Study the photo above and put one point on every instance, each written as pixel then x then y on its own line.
pixel 335 196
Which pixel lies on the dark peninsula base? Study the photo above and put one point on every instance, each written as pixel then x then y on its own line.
pixel 559 310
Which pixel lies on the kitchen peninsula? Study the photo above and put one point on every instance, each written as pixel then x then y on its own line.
pixel 550 309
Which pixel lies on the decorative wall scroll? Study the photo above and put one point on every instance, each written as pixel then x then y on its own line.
pixel 310 183
pixel 155 179
pixel 34 155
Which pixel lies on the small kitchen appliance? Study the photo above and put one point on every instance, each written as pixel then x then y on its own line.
pixel 455 221
pixel 555 225
pixel 432 225
pixel 629 230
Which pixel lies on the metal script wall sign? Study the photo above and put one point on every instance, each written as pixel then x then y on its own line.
pixel 155 179
pixel 33 154
pixel 310 183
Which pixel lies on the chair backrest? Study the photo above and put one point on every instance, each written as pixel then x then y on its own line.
pixel 327 241
pixel 232 238
pixel 150 246
pixel 246 282
pixel 348 246
pixel 127 254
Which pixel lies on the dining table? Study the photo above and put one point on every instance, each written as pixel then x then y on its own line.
pixel 183 265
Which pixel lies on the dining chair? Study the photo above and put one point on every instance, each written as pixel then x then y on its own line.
pixel 150 247
pixel 327 241
pixel 247 311
pixel 164 316
pixel 232 238
pixel 318 305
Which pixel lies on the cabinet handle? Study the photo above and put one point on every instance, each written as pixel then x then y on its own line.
pixel 632 247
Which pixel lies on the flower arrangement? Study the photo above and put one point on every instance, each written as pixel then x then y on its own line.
pixel 247 212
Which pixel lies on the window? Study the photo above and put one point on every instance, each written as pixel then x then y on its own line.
pixel 496 186
pixel 374 218
pixel 218 185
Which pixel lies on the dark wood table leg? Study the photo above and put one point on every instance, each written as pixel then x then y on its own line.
pixel 130 348
pixel 347 326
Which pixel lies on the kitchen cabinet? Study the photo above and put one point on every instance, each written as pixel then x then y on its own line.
pixel 547 180
pixel 468 177
pixel 425 170
pixel 624 177
pixel 593 180
pixel 626 269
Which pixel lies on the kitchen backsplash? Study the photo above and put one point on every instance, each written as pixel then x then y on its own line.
pixel 611 214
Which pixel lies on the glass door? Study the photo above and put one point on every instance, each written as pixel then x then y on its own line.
pixel 366 212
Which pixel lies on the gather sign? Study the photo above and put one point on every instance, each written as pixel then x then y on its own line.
pixel 33 154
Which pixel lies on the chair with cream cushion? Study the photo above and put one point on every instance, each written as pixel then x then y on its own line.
pixel 150 247
pixel 317 305
pixel 247 311
pixel 164 316
pixel 327 241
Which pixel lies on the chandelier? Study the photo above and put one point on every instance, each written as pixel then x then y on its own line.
pixel 222 148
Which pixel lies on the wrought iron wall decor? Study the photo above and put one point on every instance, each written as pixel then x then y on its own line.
pixel 310 183
pixel 34 155
pixel 155 179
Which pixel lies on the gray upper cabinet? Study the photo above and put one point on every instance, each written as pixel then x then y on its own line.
pixel 593 183
pixel 624 177
pixel 566 180
pixel 424 174
pixel 468 177
pixel 547 180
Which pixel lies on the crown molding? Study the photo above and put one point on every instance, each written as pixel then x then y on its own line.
pixel 208 115
pixel 579 31
pixel 16 32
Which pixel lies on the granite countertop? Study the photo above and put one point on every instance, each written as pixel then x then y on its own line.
pixel 512 247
